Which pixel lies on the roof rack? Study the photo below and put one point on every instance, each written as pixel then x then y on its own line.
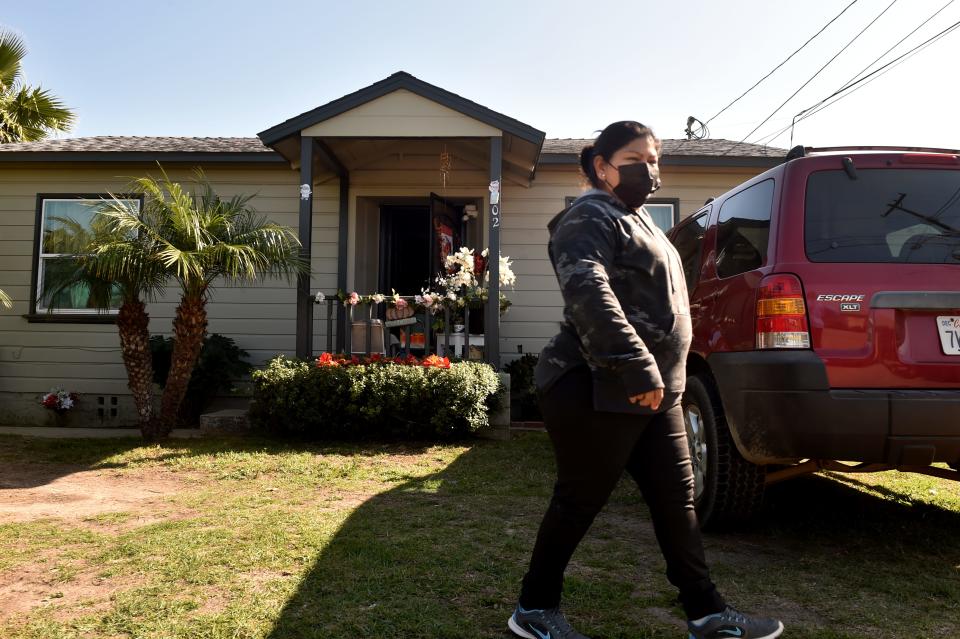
pixel 803 151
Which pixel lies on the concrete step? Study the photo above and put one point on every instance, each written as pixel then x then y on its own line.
pixel 227 421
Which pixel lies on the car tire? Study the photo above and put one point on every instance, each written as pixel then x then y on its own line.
pixel 728 488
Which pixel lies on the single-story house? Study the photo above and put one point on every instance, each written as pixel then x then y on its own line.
pixel 363 180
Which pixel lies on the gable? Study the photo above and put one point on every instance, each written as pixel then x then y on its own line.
pixel 401 113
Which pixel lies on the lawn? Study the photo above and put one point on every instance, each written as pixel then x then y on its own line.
pixel 253 538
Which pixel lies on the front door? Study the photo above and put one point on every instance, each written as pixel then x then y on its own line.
pixel 405 249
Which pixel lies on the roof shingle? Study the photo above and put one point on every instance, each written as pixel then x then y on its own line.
pixel 122 144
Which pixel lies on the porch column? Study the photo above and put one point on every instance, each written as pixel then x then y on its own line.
pixel 304 298
pixel 492 322
pixel 342 243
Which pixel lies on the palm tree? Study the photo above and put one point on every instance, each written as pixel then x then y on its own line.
pixel 109 262
pixel 199 238
pixel 26 113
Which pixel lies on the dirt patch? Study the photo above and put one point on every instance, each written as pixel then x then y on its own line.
pixel 36 584
pixel 30 492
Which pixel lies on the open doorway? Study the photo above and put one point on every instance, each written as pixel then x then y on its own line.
pixel 415 240
pixel 405 249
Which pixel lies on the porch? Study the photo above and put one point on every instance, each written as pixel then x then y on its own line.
pixel 400 145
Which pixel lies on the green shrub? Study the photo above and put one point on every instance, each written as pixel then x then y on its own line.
pixel 378 400
pixel 221 362
pixel 523 388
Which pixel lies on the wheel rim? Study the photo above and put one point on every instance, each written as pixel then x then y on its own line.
pixel 697 444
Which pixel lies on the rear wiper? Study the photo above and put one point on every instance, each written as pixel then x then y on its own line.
pixel 897 205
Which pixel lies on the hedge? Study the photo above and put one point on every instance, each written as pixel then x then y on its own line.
pixel 336 399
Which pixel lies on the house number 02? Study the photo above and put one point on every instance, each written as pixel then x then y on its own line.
pixel 495 215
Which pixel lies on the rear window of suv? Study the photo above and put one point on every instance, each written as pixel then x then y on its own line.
pixel 884 216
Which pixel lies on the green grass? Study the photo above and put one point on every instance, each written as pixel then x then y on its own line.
pixel 266 539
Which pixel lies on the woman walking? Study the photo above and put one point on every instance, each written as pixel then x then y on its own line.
pixel 610 385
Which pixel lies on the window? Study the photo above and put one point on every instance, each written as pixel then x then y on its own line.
pixel 663 211
pixel 687 237
pixel 743 230
pixel 64 224
pixel 884 216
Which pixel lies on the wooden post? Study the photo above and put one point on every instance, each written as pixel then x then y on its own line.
pixel 304 341
pixel 491 322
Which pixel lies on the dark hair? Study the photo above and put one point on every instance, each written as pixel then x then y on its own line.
pixel 612 139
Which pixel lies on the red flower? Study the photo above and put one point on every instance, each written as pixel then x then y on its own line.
pixel 50 401
pixel 326 359
pixel 433 361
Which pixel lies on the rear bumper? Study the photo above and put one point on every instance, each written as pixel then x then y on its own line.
pixel 780 409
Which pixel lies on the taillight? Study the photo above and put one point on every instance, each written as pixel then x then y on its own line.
pixel 782 313
pixel 929 158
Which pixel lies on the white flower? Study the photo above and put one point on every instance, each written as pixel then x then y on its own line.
pixel 320 297
pixel 377 298
pixel 451 296
pixel 485 252
pixel 66 403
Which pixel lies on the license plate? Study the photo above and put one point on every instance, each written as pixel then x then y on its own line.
pixel 949 327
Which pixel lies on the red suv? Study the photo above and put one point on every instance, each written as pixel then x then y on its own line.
pixel 825 296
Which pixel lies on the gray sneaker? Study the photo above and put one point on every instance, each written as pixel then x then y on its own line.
pixel 731 623
pixel 541 624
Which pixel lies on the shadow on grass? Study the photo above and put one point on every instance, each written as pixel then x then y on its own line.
pixel 442 556
pixel 439 556
pixel 50 459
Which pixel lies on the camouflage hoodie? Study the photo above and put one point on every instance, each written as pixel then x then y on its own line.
pixel 626 311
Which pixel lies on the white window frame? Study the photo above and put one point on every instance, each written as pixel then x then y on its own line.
pixel 43 257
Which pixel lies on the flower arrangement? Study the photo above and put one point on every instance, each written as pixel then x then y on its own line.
pixel 465 282
pixel 431 361
pixel 59 400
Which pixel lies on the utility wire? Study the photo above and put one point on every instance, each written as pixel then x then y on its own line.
pixel 851 88
pixel 863 70
pixel 767 139
pixel 819 71
pixel 812 38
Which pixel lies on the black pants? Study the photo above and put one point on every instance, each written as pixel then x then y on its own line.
pixel 592 450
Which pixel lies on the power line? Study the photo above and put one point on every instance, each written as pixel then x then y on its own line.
pixel 812 38
pixel 851 88
pixel 767 139
pixel 819 71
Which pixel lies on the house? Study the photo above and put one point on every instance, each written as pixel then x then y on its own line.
pixel 372 182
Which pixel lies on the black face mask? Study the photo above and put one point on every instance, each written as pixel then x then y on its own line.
pixel 638 181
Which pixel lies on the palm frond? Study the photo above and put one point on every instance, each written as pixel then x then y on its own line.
pixel 30 114
pixel 12 52
pixel 5 300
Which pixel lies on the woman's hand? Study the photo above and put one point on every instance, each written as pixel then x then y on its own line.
pixel 651 398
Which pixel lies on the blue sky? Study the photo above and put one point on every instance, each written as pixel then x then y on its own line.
pixel 215 68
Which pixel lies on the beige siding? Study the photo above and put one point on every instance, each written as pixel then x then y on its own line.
pixel 401 113
pixel 85 357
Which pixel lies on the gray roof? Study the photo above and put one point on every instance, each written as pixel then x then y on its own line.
pixel 703 148
pixel 251 149
pixel 122 144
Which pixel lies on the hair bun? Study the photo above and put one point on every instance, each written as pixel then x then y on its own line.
pixel 586 159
